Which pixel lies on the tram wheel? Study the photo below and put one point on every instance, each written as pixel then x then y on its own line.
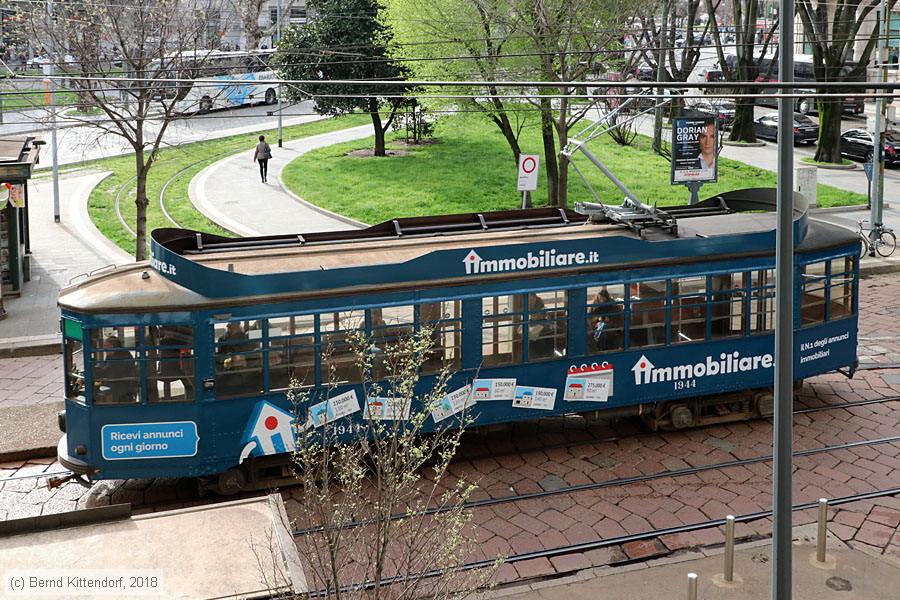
pixel 681 416
pixel 765 404
pixel 231 481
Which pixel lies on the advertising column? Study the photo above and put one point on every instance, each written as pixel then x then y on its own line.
pixel 694 158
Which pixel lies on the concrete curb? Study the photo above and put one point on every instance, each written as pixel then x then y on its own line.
pixel 23 455
pixel 78 209
pixel 829 167
pixel 743 144
pixel 319 209
pixel 31 346
pixel 198 199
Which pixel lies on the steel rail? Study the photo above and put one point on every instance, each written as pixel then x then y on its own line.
pixel 117 208
pixel 606 542
pixel 621 481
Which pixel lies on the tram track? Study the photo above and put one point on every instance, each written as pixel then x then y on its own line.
pixel 617 482
pixel 599 543
pixel 645 433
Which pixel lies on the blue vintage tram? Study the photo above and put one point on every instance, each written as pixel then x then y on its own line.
pixel 180 367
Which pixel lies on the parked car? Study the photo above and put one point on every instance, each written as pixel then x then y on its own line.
pixel 805 130
pixel 858 143
pixel 723 110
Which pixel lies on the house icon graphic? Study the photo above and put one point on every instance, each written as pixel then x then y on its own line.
pixel 642 367
pixel 472 261
pixel 269 431
pixel 575 391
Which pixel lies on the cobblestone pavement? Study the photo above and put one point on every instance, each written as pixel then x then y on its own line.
pixel 556 453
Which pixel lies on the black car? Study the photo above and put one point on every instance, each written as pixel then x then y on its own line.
pixel 722 110
pixel 805 130
pixel 858 143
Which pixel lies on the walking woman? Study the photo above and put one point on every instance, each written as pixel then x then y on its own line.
pixel 262 155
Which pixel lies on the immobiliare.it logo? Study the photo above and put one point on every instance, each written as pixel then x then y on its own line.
pixel 542 259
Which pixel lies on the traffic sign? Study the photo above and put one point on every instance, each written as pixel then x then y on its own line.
pixel 869 168
pixel 528 172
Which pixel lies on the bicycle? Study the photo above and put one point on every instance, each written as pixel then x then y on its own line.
pixel 879 236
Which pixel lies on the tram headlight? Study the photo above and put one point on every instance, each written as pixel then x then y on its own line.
pixel 61 420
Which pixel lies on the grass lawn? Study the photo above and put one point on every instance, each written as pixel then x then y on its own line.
pixel 470 169
pixel 194 157
pixel 27 99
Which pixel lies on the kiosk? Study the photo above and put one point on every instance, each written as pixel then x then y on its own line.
pixel 18 155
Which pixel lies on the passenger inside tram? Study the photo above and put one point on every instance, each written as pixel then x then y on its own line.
pixel 115 379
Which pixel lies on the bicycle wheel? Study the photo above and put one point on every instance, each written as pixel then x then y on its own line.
pixel 886 243
pixel 864 247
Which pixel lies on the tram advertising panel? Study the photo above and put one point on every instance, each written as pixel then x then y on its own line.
pixel 694 143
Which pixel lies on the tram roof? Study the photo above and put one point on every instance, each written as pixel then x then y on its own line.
pixel 191 270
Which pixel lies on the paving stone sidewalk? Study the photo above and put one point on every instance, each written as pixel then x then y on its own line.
pixel 60 252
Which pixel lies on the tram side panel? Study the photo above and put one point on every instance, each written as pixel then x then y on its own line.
pixel 210 434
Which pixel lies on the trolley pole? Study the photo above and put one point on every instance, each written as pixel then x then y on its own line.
pixel 877 183
pixel 784 326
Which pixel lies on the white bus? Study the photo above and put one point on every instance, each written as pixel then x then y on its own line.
pixel 236 74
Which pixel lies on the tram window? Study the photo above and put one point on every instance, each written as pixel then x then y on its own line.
pixel 339 361
pixel 127 336
pixel 390 326
pixel 547 320
pixel 762 301
pixel 74 362
pixel 116 373
pixel 648 314
pixel 239 364
pixel 170 363
pixel 292 352
pixel 501 330
pixel 812 307
pixel 444 319
pixel 605 318
pixel 727 308
pixel 688 309
pixel 840 290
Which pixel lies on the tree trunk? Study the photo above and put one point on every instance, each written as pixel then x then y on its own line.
pixel 140 201
pixel 502 122
pixel 742 129
pixel 549 152
pixel 660 76
pixel 562 130
pixel 829 144
pixel 379 131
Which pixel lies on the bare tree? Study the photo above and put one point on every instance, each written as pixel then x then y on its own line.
pixel 125 56
pixel 379 512
pixel 569 39
pixel 744 70
pixel 832 29
pixel 249 12
pixel 656 41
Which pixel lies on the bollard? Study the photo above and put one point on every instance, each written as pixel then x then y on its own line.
pixel 823 530
pixel 729 549
pixel 692 586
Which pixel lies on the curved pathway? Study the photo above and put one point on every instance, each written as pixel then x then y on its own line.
pixel 230 193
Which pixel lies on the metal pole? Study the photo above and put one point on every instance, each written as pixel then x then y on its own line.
pixel 278 28
pixel 609 175
pixel 822 536
pixel 877 185
pixel 784 318
pixel 52 97
pixel 692 586
pixel 729 549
